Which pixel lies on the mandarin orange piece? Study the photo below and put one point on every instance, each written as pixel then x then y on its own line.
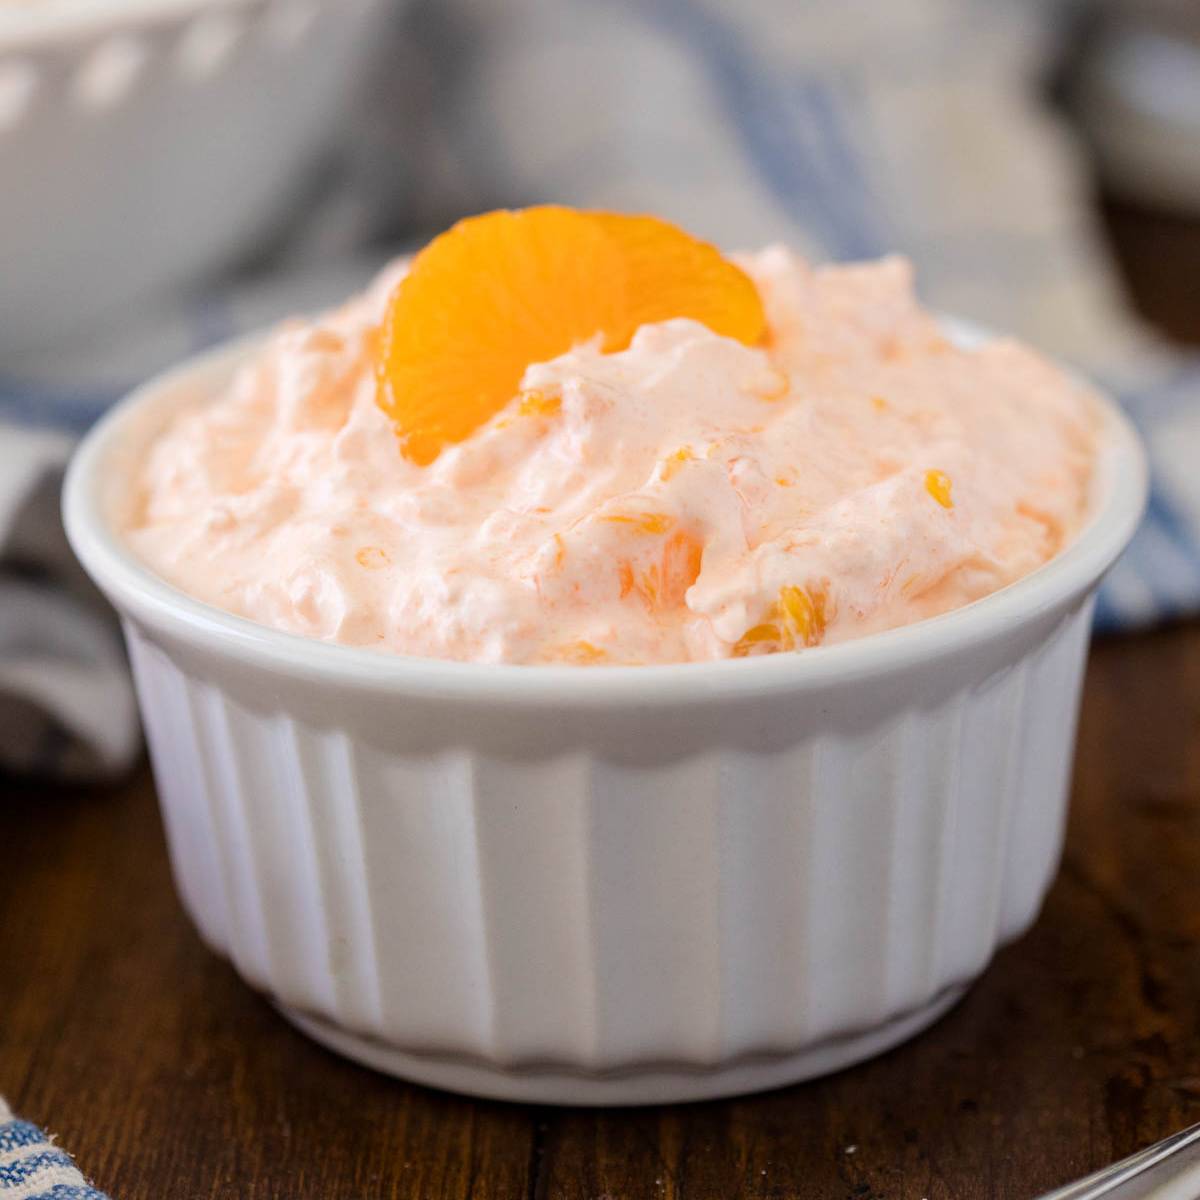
pixel 938 485
pixel 798 618
pixel 501 291
pixel 676 275
pixel 669 467
pixel 802 614
pixel 681 561
pixel 764 637
pixel 372 557
pixel 538 404
pixel 650 522
pixel 581 653
pixel 662 586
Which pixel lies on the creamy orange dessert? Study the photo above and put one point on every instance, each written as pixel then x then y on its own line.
pixel 563 437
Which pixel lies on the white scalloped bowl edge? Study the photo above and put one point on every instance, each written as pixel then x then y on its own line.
pixel 619 885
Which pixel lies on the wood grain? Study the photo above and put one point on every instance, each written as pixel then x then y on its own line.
pixel 169 1078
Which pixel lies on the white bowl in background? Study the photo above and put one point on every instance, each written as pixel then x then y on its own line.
pixel 147 143
pixel 607 885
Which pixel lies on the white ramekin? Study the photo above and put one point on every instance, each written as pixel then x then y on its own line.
pixel 618 885
pixel 146 143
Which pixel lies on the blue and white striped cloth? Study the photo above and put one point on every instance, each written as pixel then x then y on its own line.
pixel 32 1167
pixel 848 130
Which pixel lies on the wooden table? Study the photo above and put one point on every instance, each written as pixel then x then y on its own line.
pixel 169 1078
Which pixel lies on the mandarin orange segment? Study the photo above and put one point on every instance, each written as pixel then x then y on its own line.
pixel 798 618
pixel 669 467
pixel 580 652
pixel 501 291
pixel 538 404
pixel 650 522
pixel 766 637
pixel 802 614
pixel 676 275
pixel 662 586
pixel 938 485
pixel 681 562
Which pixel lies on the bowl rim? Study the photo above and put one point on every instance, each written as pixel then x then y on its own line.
pixel 1119 491
pixel 52 20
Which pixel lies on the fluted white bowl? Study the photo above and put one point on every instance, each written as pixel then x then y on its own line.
pixel 145 144
pixel 607 885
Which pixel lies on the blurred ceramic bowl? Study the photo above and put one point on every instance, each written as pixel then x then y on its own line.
pixel 608 885
pixel 147 143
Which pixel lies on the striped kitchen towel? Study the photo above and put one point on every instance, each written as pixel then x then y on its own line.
pixel 32 1167
pixel 848 130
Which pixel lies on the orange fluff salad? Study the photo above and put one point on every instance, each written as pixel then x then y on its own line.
pixel 571 437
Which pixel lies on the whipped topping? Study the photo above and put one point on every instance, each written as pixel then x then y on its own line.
pixel 688 498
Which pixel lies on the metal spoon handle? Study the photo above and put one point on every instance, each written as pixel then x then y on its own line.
pixel 1168 1170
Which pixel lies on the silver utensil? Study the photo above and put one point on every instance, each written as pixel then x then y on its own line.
pixel 1168 1170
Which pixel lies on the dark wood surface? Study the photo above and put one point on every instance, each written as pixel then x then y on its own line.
pixel 169 1078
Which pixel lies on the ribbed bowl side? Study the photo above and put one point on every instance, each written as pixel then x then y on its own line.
pixel 599 894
